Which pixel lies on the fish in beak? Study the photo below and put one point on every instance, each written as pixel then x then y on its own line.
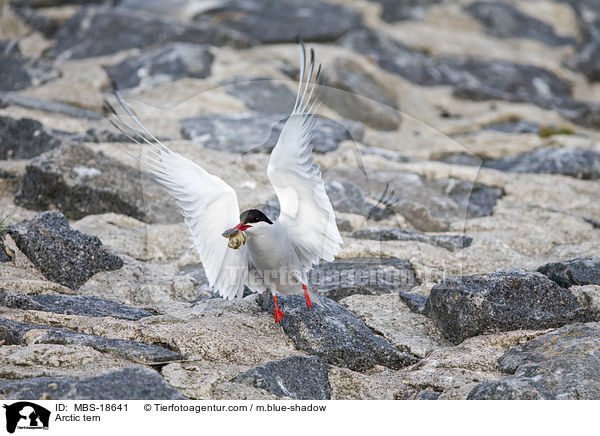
pixel 236 235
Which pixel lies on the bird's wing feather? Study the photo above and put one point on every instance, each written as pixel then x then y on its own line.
pixel 208 204
pixel 306 212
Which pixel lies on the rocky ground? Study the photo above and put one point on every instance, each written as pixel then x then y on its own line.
pixel 460 145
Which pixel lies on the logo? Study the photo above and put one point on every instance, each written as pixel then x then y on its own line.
pixel 26 415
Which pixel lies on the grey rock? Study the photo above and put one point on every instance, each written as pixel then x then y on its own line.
pixel 471 78
pixel 586 60
pixel 262 95
pixel 428 205
pixel 51 3
pixel 37 21
pixel 163 64
pixel 331 332
pixel 460 158
pixel 63 255
pixel 10 98
pixel 516 127
pixel 368 276
pixel 133 383
pixel 346 197
pixel 506 21
pixel 24 138
pixel 575 162
pixel 427 394
pixel 272 21
pixel 79 182
pixel 97 31
pixel 449 242
pixel 15 333
pixel 560 365
pixel 297 377
pixel 72 305
pixel 355 94
pixel 573 272
pixel 394 10
pixel 258 132
pixel 18 72
pixel 4 257
pixel 415 302
pixel 466 306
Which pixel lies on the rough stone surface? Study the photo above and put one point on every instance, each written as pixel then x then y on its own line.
pixel 428 205
pixel 355 94
pixel 21 333
pixel 368 276
pixel 19 72
pixel 506 21
pixel 393 10
pixel 587 60
pixel 71 305
pixel 273 21
pixel 14 99
pixel 164 64
pixel 334 334
pixel 262 95
pixel 297 377
pixel 575 162
pixel 389 316
pixel 62 254
pixel 79 182
pixel 126 384
pixel 24 138
pixel 466 306
pixel 560 365
pixel 257 132
pixel 97 31
pixel 449 242
pixel 573 272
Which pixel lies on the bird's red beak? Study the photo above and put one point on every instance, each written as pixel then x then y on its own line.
pixel 242 226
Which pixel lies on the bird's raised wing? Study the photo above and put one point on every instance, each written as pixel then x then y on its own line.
pixel 208 204
pixel 306 212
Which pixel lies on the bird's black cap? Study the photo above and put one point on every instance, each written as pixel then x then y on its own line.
pixel 252 216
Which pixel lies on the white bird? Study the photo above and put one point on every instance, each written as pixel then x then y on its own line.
pixel 255 251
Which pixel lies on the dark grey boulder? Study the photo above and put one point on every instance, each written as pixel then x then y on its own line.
pixel 472 78
pixel 395 10
pixel 263 95
pixel 18 72
pixel 466 306
pixel 14 99
pixel 160 65
pixel 449 242
pixel 506 21
pixel 427 394
pixel 560 365
pixel 79 182
pixel 37 20
pixel 97 31
pixel 573 272
pixel 297 377
pixel 346 197
pixel 272 21
pixel 428 205
pixel 586 59
pixel 133 383
pixel 516 127
pixel 24 138
pixel 14 333
pixel 355 94
pixel 72 305
pixel 258 132
pixel 63 255
pixel 575 162
pixel 331 332
pixel 367 276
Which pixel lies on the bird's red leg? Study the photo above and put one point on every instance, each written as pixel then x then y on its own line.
pixel 278 313
pixel 308 302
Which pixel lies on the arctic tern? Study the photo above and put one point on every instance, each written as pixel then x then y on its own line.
pixel 248 248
